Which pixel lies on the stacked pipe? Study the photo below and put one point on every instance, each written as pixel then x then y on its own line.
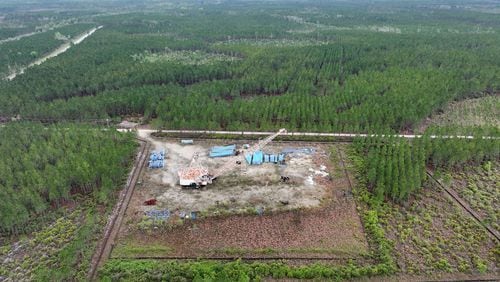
pixel 222 151
pixel 157 159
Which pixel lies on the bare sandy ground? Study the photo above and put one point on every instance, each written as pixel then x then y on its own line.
pixel 246 187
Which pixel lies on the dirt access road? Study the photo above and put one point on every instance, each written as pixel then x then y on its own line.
pixel 103 250
pixel 319 134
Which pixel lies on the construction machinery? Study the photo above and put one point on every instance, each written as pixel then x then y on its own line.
pixel 196 176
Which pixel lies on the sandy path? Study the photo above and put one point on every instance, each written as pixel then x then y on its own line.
pixel 144 132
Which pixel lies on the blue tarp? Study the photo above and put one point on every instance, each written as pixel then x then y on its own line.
pixel 281 158
pixel 307 151
pixel 271 158
pixel 221 154
pixel 258 157
pixel 157 159
pixel 156 164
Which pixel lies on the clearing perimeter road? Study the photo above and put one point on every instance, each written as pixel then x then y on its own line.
pixel 319 134
pixel 463 204
pixel 105 247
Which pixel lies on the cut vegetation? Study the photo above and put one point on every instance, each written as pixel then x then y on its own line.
pixel 433 234
pixel 472 113
pixel 185 57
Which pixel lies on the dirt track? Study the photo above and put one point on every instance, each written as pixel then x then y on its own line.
pixel 318 134
pixel 104 248
pixel 458 200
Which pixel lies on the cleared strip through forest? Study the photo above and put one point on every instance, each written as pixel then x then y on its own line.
pixel 318 134
pixel 61 49
pixel 17 37
pixel 21 36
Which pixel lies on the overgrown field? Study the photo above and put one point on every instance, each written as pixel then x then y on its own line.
pixel 433 234
pixel 60 250
pixel 479 186
pixel 468 115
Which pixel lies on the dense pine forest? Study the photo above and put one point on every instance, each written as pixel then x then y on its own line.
pixel 18 23
pixel 396 168
pixel 240 68
pixel 18 53
pixel 44 168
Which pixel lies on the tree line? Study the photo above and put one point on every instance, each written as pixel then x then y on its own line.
pixel 395 168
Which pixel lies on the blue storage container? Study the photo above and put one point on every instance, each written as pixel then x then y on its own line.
pixel 255 159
